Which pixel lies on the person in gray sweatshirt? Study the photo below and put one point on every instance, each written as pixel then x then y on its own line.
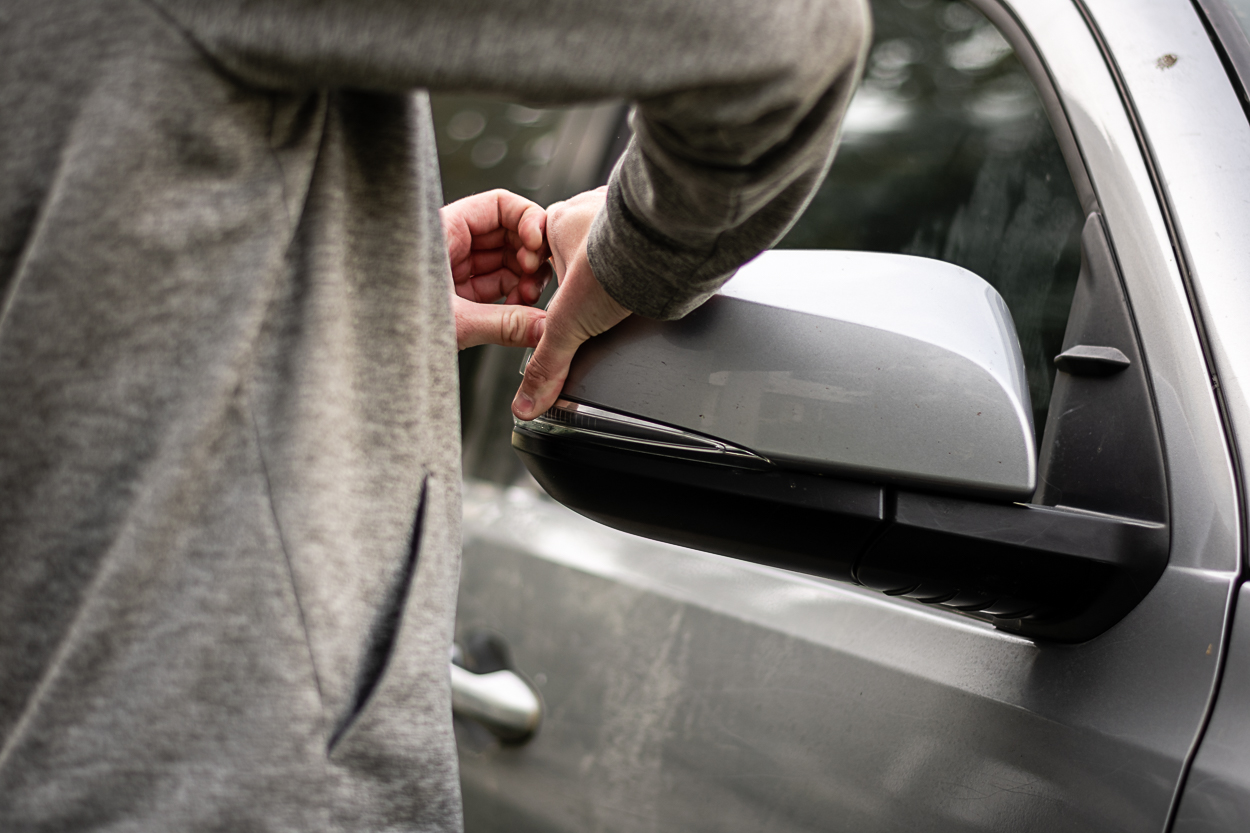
pixel 229 456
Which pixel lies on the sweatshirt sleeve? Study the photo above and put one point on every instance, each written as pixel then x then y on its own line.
pixel 738 103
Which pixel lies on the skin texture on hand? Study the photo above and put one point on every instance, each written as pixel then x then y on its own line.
pixel 497 247
pixel 580 310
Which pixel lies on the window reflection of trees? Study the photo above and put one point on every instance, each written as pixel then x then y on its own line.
pixel 485 143
pixel 947 153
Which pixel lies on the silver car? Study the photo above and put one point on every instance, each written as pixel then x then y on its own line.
pixel 934 518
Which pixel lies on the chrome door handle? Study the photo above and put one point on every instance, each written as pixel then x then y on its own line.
pixel 499 700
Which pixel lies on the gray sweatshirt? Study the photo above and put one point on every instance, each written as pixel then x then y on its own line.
pixel 229 457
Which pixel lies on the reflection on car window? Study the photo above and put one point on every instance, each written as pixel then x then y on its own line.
pixel 485 144
pixel 947 153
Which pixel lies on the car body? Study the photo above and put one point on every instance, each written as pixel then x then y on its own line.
pixel 683 690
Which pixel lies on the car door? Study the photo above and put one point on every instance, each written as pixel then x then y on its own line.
pixel 687 691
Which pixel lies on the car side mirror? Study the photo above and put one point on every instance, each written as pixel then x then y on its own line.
pixel 859 416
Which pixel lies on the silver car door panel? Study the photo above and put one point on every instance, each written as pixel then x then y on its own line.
pixel 1216 798
pixel 685 691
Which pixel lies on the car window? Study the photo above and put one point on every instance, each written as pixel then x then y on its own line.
pixel 947 153
pixel 485 144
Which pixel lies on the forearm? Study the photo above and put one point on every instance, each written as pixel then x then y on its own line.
pixel 674 229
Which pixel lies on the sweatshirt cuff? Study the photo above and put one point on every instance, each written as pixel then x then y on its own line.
pixel 642 270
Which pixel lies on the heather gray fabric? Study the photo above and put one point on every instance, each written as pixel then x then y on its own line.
pixel 229 458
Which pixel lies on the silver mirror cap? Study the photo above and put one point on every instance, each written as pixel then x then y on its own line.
pixel 888 368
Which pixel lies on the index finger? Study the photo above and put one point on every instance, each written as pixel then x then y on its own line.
pixel 512 212
pixel 515 214
pixel 532 228
pixel 491 210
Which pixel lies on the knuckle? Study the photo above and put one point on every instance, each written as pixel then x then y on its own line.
pixel 537 372
pixel 512 325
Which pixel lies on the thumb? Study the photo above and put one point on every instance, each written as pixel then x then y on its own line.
pixel 545 372
pixel 580 310
pixel 510 325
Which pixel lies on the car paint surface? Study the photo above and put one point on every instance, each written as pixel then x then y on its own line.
pixel 841 362
pixel 1216 794
pixel 685 691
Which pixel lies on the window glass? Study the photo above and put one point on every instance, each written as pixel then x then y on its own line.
pixel 947 153
pixel 485 144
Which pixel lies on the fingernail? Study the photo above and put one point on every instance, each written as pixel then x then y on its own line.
pixel 522 405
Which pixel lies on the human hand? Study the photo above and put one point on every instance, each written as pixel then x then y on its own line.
pixel 497 248
pixel 580 310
